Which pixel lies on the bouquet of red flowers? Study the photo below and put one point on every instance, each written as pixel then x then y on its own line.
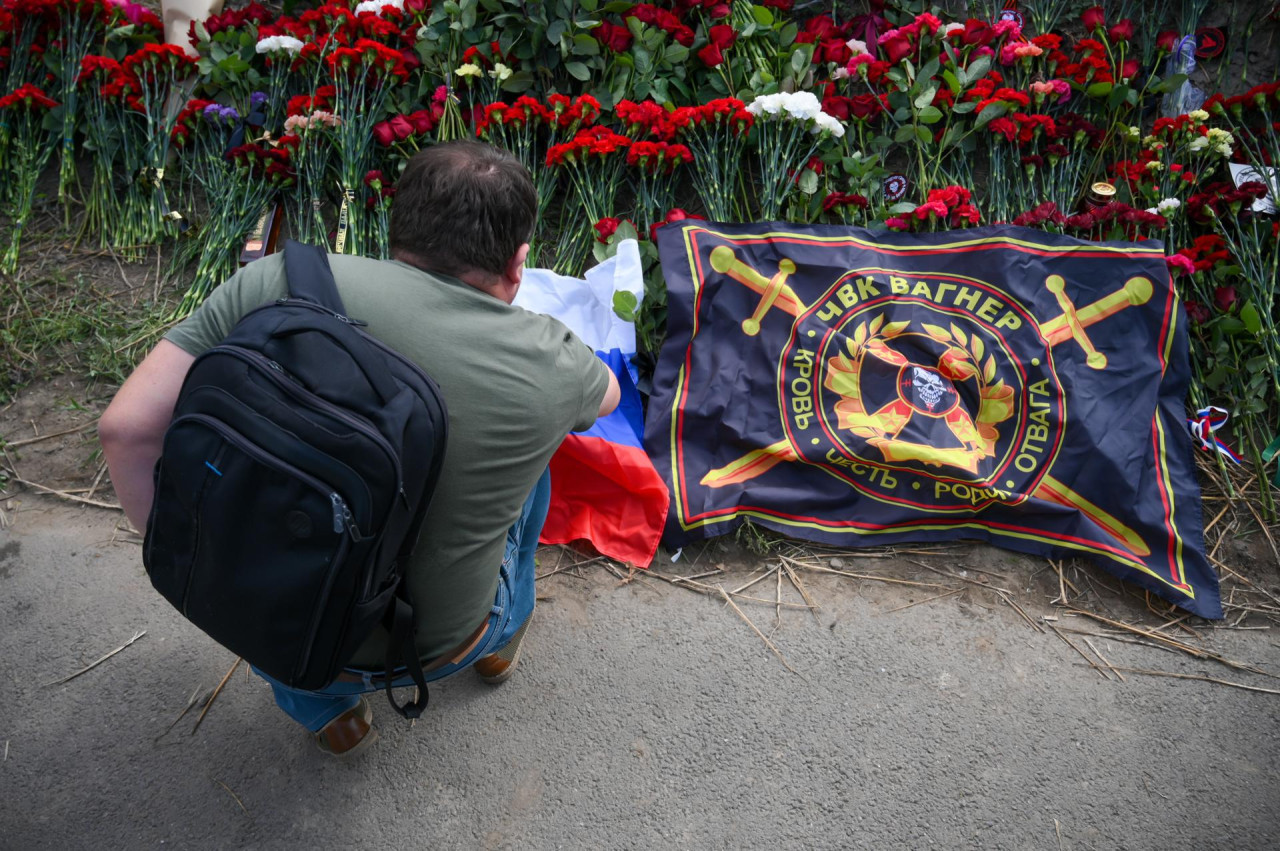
pixel 22 115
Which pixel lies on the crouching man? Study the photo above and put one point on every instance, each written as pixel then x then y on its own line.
pixel 515 384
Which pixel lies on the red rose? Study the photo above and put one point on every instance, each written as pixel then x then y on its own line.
pixel 896 48
pixel 423 121
pixel 977 32
pixel 401 126
pixel 1167 41
pixel 606 228
pixel 864 106
pixel 1129 69
pixel 1224 297
pixel 383 133
pixel 683 36
pixel 836 106
pixel 675 214
pixel 1093 18
pixel 711 56
pixel 1196 312
pixel 722 36
pixel 1122 31
pixel 718 11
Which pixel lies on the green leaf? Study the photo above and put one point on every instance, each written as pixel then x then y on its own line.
pixel 762 15
pixel 925 135
pixel 905 134
pixel 644 61
pixel 953 82
pixel 902 208
pixel 808 182
pixel 992 112
pixel 799 62
pixel 585 45
pixel 578 70
pixel 977 68
pixel 949 138
pixel 1098 90
pixel 589 5
pixel 930 115
pixel 1117 95
pixel 925 98
pixel 624 305
pixel 788 35
pixel 1168 84
pixel 1249 316
pixel 964 108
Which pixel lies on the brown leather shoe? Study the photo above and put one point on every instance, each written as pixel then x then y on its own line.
pixel 498 667
pixel 350 733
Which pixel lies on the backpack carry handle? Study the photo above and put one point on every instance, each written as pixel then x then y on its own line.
pixel 361 352
pixel 310 278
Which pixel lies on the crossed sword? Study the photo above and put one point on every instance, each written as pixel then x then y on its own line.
pixel 775 292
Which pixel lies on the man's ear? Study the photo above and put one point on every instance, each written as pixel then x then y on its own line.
pixel 515 266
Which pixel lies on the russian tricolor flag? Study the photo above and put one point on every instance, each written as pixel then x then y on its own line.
pixel 604 489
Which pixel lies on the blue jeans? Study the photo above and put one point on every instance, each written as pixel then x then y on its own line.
pixel 511 608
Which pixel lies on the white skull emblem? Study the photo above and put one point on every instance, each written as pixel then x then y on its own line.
pixel 928 386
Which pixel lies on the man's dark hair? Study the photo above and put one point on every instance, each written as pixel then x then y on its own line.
pixel 462 206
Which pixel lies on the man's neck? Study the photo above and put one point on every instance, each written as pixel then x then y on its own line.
pixel 484 282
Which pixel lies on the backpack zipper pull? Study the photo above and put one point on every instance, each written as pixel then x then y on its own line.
pixel 350 523
pixel 340 513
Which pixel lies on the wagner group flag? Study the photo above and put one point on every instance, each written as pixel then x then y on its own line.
pixel 858 388
pixel 604 489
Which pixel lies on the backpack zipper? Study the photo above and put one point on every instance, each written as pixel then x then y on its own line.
pixel 291 386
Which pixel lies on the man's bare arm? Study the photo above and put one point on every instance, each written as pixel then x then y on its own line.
pixel 612 394
pixel 133 426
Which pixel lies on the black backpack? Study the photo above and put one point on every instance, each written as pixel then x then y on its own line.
pixel 293 483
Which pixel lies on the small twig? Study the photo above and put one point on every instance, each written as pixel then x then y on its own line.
pixel 759 578
pixel 1098 653
pixel 1057 828
pixel 93 665
pixel 6 751
pixel 29 440
pixel 1263 526
pixel 1175 643
pixel 209 703
pixel 756 630
pixel 872 578
pixel 1070 644
pixel 233 795
pixel 1200 677
pixel 63 494
pixel 921 602
pixel 795 580
pixel 195 696
pixel 102 471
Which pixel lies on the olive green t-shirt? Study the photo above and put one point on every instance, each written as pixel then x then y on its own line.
pixel 515 384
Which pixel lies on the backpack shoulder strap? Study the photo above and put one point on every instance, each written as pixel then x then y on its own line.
pixel 309 275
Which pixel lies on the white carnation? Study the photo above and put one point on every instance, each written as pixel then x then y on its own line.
pixel 375 6
pixel 287 43
pixel 860 47
pixel 1198 144
pixel 1168 205
pixel 802 106
pixel 766 105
